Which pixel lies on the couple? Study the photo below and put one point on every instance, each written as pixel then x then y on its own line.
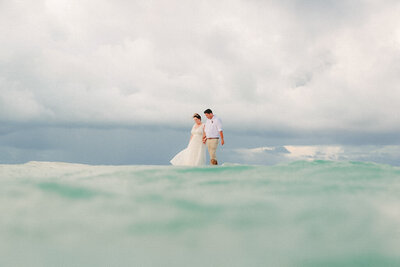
pixel 202 135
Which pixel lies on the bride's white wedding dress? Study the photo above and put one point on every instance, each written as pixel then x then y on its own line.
pixel 195 153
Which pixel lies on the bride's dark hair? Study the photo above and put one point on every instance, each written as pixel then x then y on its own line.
pixel 197 116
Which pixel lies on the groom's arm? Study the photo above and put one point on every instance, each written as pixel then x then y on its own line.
pixel 221 133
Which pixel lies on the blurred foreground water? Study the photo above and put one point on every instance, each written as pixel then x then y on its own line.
pixel 319 213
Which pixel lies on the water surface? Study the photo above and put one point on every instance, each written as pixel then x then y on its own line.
pixel 318 213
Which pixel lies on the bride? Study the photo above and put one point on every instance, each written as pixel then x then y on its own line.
pixel 195 153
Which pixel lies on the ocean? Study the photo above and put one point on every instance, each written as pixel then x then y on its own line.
pixel 302 213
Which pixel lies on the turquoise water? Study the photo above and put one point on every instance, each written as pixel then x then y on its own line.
pixel 317 213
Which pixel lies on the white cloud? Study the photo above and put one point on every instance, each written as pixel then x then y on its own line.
pixel 23 106
pixel 272 155
pixel 301 65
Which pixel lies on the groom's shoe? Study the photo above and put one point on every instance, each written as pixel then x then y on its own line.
pixel 214 162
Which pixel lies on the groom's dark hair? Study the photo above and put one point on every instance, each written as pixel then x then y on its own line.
pixel 207 111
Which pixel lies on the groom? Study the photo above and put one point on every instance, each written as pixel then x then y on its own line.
pixel 212 132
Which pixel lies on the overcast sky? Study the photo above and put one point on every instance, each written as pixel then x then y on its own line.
pixel 116 82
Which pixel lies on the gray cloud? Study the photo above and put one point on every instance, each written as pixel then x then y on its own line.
pixel 158 144
pixel 116 146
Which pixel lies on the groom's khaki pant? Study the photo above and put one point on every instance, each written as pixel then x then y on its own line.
pixel 212 145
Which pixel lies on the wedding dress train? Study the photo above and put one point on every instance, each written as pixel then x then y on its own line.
pixel 195 153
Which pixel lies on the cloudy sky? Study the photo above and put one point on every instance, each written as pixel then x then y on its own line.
pixel 116 82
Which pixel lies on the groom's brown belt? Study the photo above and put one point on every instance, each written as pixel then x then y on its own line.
pixel 212 137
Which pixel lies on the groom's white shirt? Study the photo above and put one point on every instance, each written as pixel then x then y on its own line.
pixel 213 127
